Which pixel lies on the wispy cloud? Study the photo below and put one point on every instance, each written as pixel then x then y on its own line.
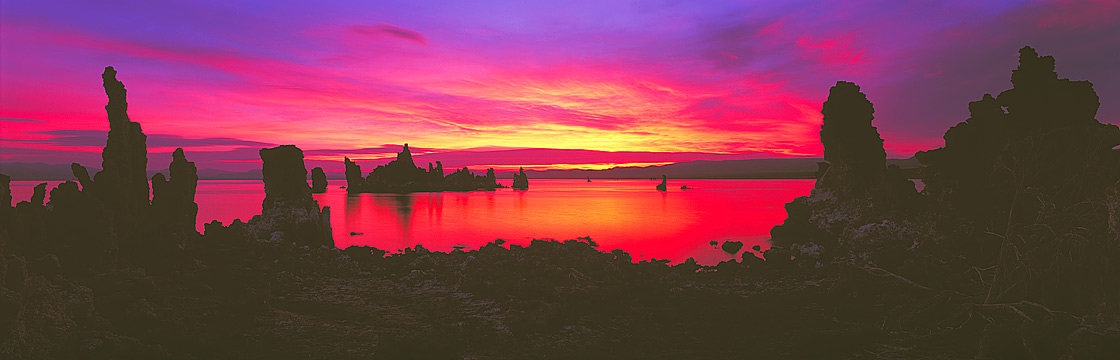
pixel 390 30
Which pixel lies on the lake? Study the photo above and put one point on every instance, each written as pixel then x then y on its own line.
pixel 623 214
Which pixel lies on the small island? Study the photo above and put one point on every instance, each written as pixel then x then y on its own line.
pixel 402 175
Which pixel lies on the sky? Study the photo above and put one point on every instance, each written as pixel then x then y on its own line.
pixel 540 84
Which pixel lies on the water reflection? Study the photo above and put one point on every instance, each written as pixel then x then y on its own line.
pixel 626 214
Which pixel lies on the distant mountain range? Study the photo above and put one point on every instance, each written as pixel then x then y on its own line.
pixel 793 168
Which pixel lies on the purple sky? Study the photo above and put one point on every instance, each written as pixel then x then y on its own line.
pixel 564 84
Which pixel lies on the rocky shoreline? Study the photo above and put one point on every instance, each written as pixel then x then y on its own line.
pixel 1008 253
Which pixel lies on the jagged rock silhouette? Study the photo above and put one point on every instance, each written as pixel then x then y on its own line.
pixel 285 177
pixel 318 180
pixel 1025 182
pixel 354 180
pixel 402 175
pixel 5 191
pixel 1048 139
pixel 854 186
pixel 173 200
pixel 123 181
pixel 288 211
pixel 520 180
pixel 39 194
pixel 852 146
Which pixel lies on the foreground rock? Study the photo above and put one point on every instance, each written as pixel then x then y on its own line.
pixel 1007 192
pixel 288 210
pixel 859 205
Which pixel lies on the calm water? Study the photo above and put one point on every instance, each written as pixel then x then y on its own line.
pixel 624 214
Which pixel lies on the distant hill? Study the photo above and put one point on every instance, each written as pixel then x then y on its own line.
pixel 794 168
pixel 40 171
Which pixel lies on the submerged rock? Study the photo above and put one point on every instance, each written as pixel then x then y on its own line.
pixel 732 247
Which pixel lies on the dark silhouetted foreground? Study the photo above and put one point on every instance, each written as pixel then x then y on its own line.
pixel 1009 253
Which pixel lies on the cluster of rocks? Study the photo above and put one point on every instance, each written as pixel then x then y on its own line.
pixel 97 270
pixel 1010 190
pixel 402 175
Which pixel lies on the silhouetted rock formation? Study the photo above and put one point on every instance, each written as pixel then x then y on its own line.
pixel 855 188
pixel 354 180
pixel 39 194
pixel 82 174
pixel 288 208
pixel 852 146
pixel 5 191
pixel 732 247
pixel 173 200
pixel 520 180
pixel 285 178
pixel 1048 140
pixel 122 182
pixel 664 185
pixel 464 180
pixel 318 180
pixel 1025 182
pixel 1025 200
pixel 402 175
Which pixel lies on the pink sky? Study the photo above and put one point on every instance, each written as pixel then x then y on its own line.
pixel 572 84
